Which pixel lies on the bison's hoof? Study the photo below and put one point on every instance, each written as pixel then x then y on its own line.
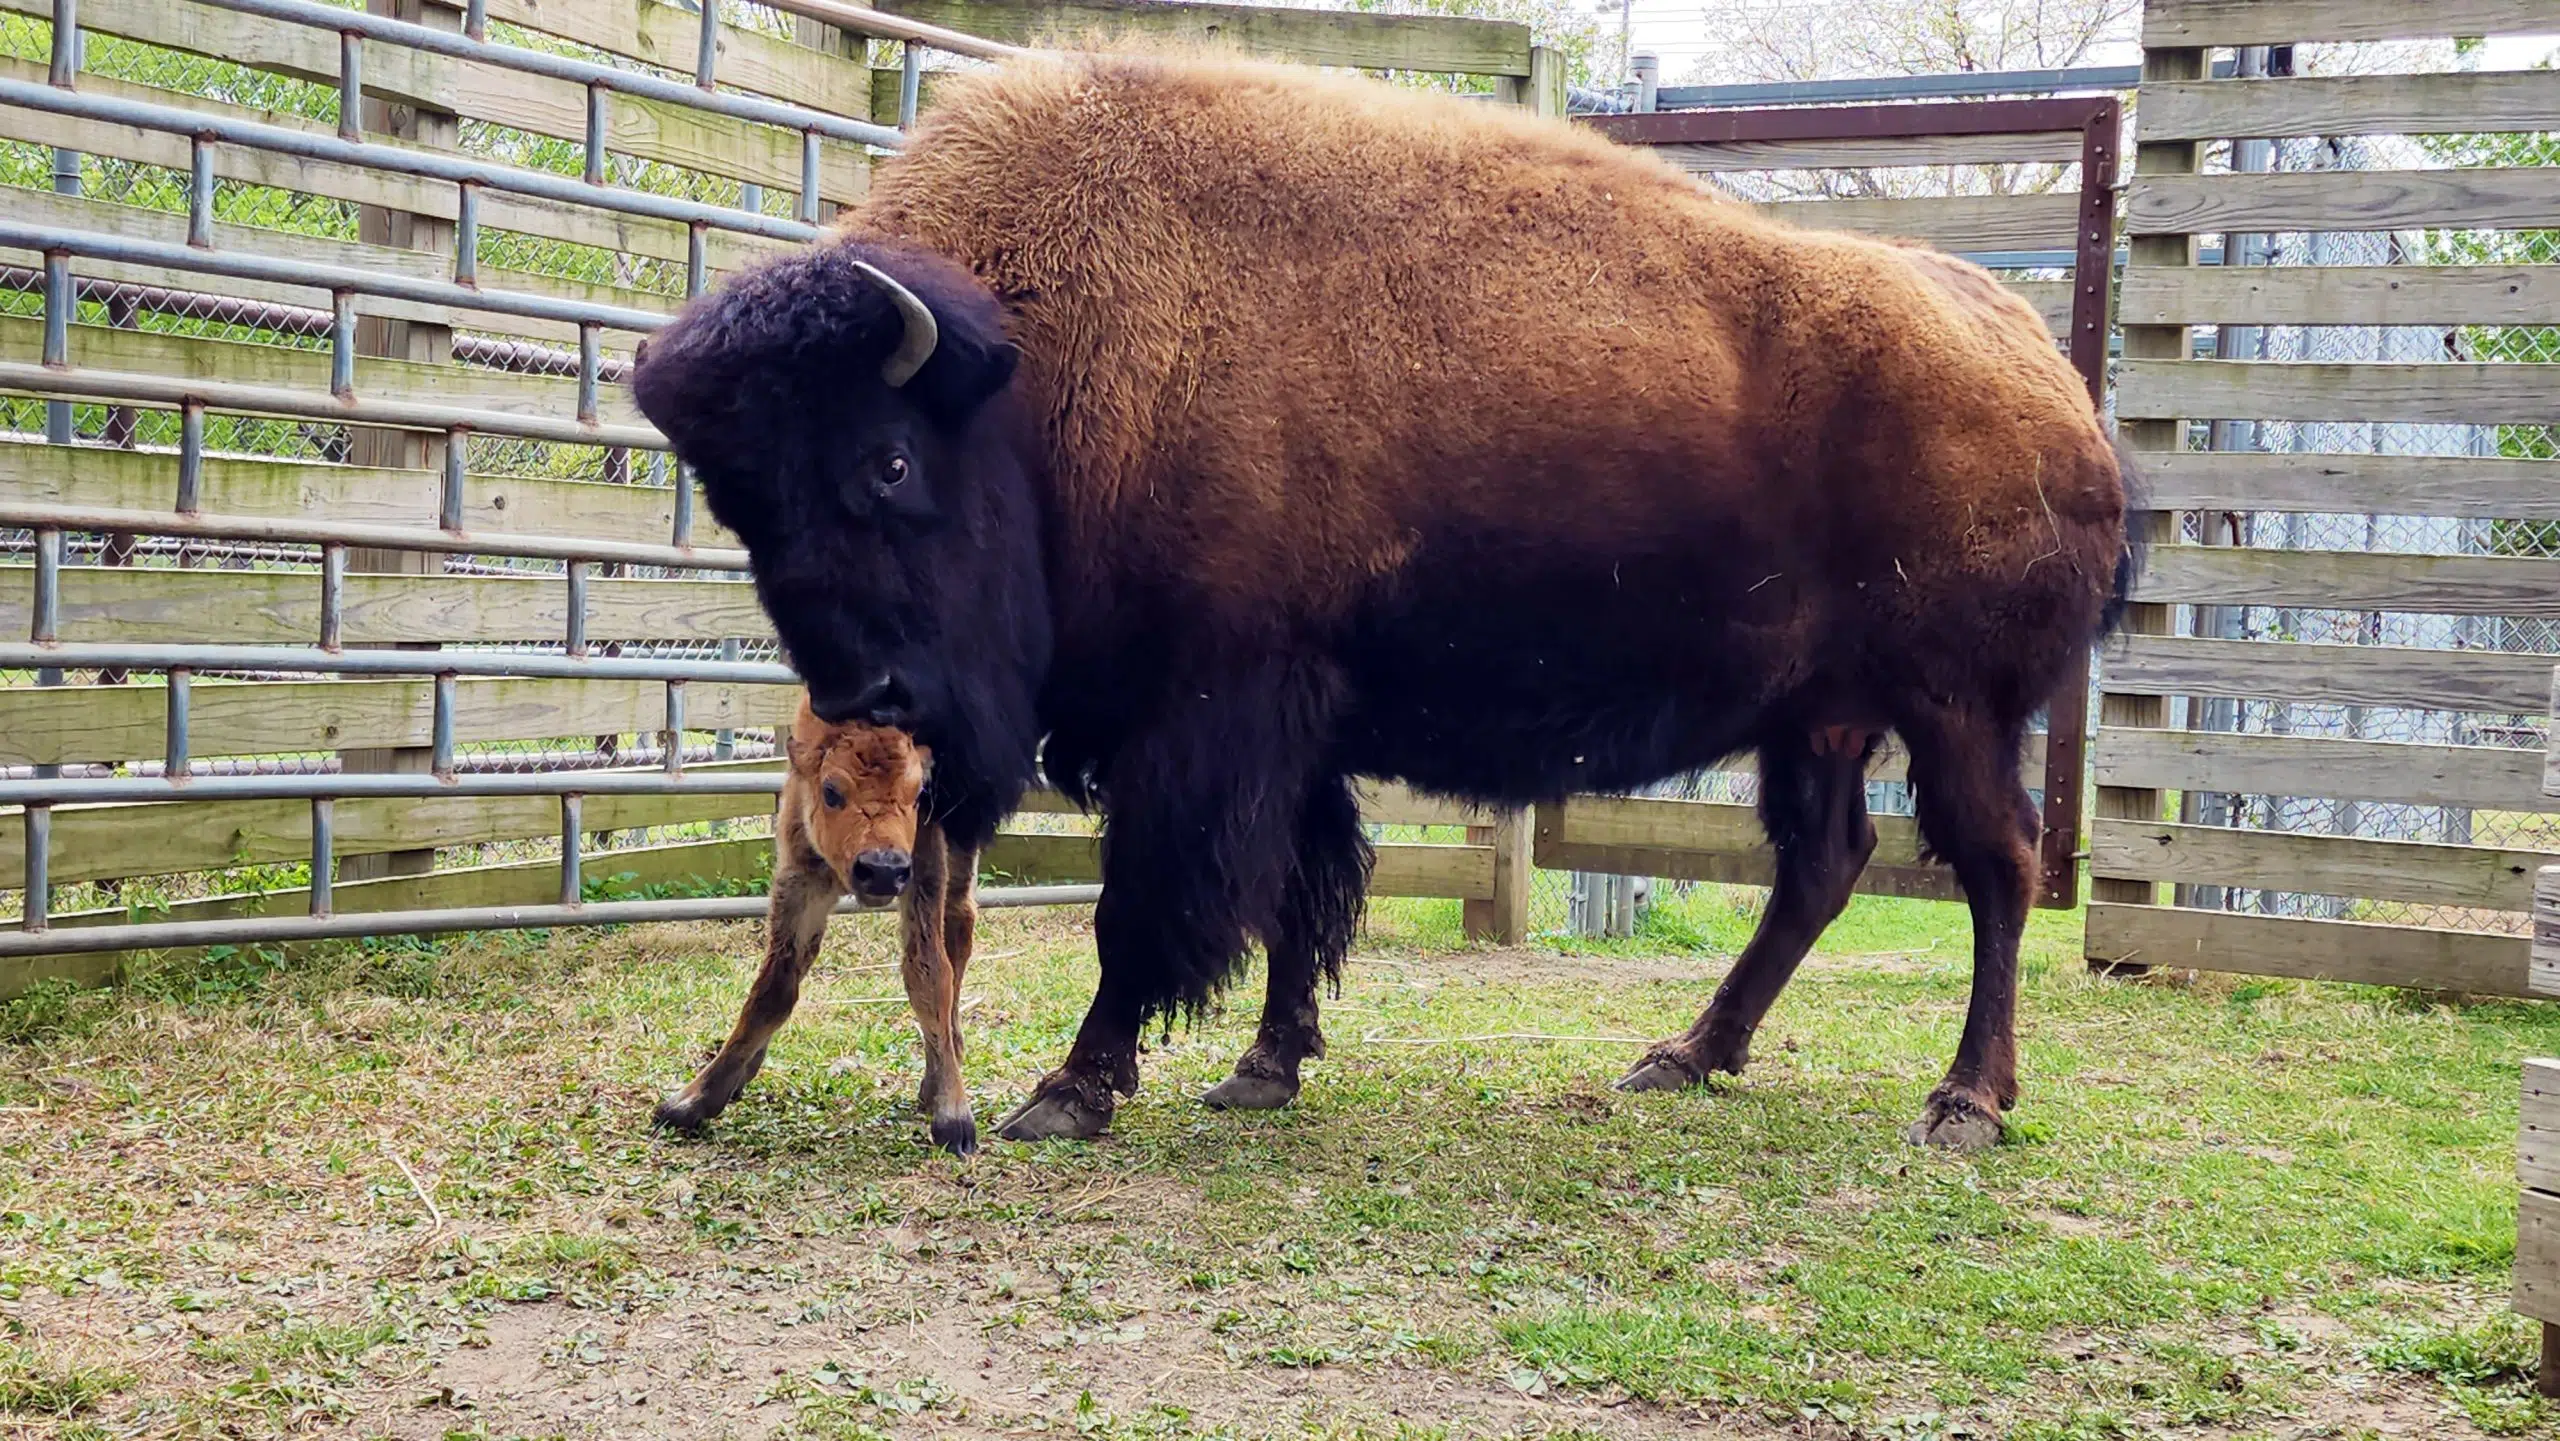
pixel 1661 1071
pixel 958 1135
pixel 1955 1122
pixel 1055 1116
pixel 1243 1092
pixel 683 1113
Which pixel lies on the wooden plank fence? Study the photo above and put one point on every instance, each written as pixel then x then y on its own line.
pixel 2313 904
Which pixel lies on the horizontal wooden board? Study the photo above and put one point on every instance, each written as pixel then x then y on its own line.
pixel 2466 486
pixel 2438 104
pixel 517 884
pixel 1732 155
pixel 2342 294
pixel 1360 39
pixel 2183 23
pixel 231 486
pixel 2469 962
pixel 98 842
pixel 2537 1264
pixel 2538 1130
pixel 142 352
pixel 66 724
pixel 1710 841
pixel 2490 682
pixel 2350 580
pixel 277 608
pixel 2051 298
pixel 669 36
pixel 2517 197
pixel 724 250
pixel 2481 777
pixel 2449 393
pixel 1446 872
pixel 2479 877
pixel 655 130
pixel 1962 222
pixel 71 212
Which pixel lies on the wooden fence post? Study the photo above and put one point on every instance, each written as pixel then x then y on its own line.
pixel 2148 342
pixel 401 449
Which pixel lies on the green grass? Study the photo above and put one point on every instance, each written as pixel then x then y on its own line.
pixel 2227 1207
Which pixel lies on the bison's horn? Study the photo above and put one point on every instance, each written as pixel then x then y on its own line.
pixel 922 335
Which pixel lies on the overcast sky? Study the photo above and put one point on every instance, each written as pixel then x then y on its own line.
pixel 1669 28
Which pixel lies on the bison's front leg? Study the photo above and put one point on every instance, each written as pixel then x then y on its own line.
pixel 1202 834
pixel 1319 910
pixel 803 895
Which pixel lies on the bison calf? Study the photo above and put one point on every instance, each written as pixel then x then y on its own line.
pixel 850 824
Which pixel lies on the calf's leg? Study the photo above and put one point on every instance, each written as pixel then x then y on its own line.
pixel 1975 814
pixel 933 992
pixel 1813 804
pixel 1319 910
pixel 804 894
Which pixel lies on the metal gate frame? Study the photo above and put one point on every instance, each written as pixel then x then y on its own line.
pixel 2100 121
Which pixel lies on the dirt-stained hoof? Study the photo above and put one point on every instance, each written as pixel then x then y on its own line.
pixel 1661 1071
pixel 1242 1092
pixel 1955 1123
pixel 1055 1115
pixel 959 1136
pixel 683 1114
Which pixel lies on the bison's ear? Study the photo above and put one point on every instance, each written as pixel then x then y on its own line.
pixel 965 372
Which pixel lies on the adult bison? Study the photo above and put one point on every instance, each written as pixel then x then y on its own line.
pixel 1240 431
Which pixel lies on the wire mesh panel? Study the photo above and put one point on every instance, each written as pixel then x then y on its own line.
pixel 354 592
pixel 2324 735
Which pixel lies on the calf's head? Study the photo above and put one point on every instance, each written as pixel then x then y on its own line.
pixel 847 410
pixel 858 786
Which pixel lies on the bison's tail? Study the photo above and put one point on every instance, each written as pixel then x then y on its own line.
pixel 2129 560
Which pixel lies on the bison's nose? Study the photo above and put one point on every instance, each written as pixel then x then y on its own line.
pixel 886 701
pixel 880 875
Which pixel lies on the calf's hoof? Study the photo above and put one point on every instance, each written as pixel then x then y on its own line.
pixel 1055 1115
pixel 1662 1070
pixel 1245 1092
pixel 683 1113
pixel 1955 1122
pixel 958 1134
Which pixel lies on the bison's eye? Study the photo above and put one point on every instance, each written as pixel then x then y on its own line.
pixel 833 795
pixel 893 473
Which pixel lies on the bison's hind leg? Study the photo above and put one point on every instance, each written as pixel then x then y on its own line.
pixel 1813 804
pixel 1319 909
pixel 1976 815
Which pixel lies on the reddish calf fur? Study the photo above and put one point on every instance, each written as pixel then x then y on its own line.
pixel 849 823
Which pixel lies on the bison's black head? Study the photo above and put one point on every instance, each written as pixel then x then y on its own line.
pixel 848 410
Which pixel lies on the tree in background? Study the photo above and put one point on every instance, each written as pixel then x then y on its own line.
pixel 1769 40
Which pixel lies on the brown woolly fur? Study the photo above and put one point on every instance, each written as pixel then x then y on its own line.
pixel 1377 432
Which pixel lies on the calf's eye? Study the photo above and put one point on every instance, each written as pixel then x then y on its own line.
pixel 833 795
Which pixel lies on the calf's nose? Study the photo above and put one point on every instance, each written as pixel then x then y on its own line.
pixel 881 873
